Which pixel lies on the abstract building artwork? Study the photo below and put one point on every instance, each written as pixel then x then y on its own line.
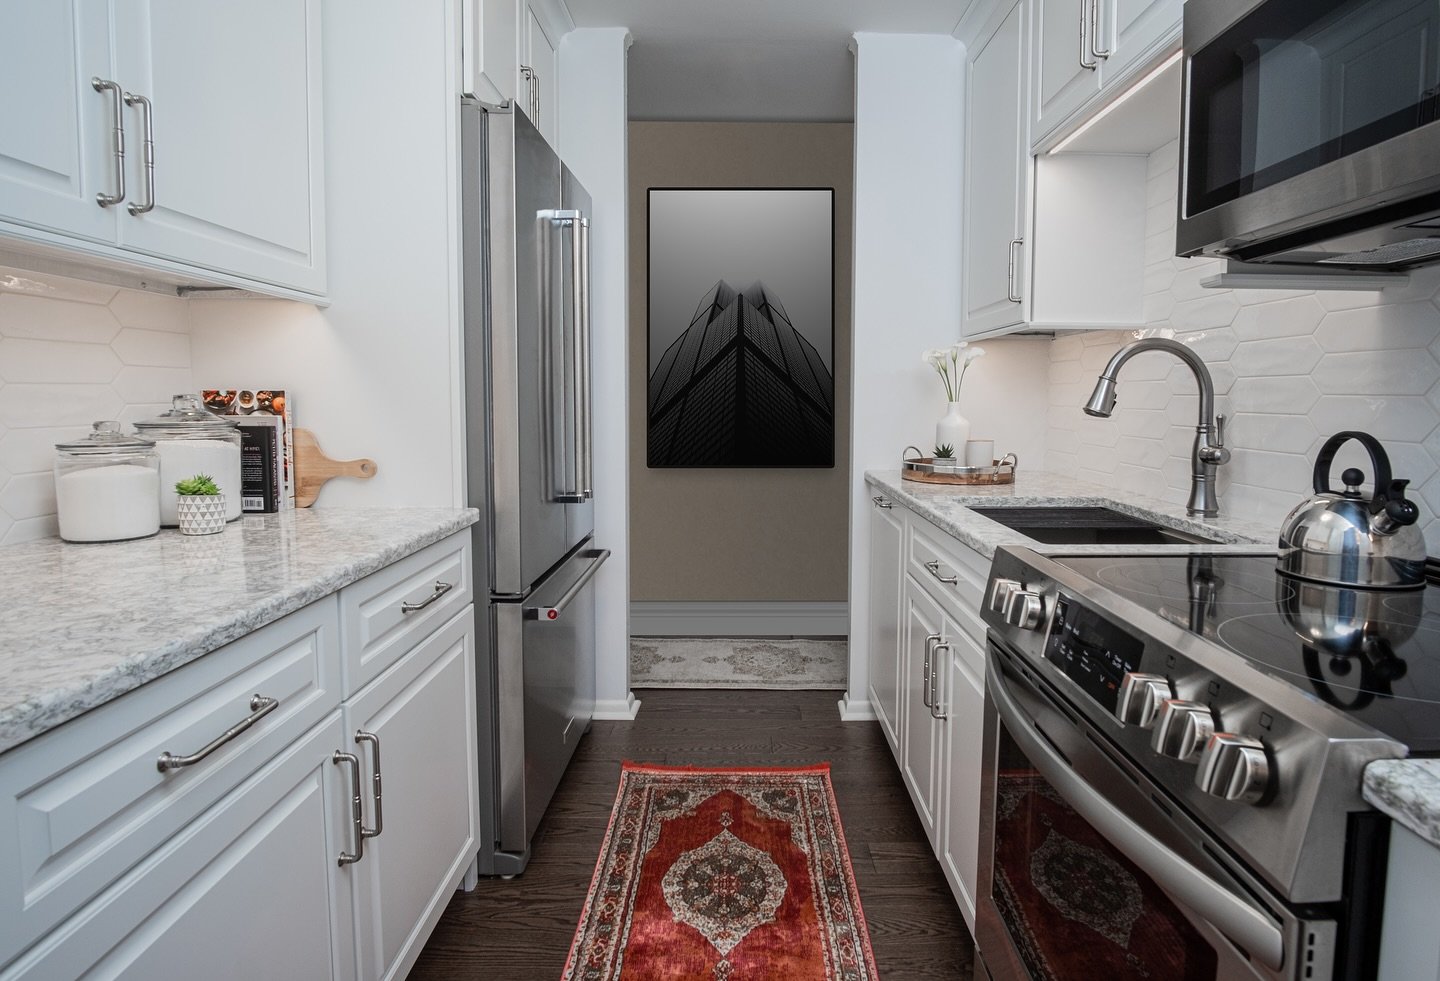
pixel 741 328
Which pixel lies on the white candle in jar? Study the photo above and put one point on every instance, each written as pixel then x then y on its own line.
pixel 108 504
pixel 181 459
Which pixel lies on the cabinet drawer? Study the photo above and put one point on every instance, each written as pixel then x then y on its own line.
pixel 936 557
pixel 247 890
pixel 434 584
pixel 84 803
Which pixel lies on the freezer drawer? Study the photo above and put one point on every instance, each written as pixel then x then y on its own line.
pixel 545 674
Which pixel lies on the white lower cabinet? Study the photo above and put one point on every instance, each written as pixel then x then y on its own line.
pixel 940 707
pixel 321 841
pixel 248 890
pixel 418 721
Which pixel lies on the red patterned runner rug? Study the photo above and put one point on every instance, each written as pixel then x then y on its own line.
pixel 723 875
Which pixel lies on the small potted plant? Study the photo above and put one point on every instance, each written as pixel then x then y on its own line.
pixel 201 505
pixel 945 451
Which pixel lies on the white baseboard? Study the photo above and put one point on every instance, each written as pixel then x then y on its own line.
pixel 661 619
pixel 852 710
pixel 617 709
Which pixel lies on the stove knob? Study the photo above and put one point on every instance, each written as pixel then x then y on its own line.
pixel 1140 698
pixel 1026 610
pixel 1001 591
pixel 1234 768
pixel 1182 729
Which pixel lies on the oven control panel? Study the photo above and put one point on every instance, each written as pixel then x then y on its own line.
pixel 1092 652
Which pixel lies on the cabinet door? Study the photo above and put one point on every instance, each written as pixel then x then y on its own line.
pixel 421 711
pixel 963 705
pixel 540 79
pixel 996 177
pixel 235 98
pixel 886 575
pixel 249 890
pixel 1063 83
pixel 491 35
pixel 55 143
pixel 1134 29
pixel 924 628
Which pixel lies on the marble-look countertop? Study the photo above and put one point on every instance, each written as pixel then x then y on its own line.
pixel 947 506
pixel 1407 790
pixel 83 624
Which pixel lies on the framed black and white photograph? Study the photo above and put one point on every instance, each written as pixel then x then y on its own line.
pixel 741 332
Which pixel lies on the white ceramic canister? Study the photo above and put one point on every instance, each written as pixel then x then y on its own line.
pixel 107 486
pixel 193 440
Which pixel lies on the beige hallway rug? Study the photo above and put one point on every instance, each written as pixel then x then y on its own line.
pixel 727 662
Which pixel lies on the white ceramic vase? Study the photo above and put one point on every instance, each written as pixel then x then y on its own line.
pixel 953 429
pixel 201 514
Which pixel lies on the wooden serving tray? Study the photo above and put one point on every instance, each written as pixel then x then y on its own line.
pixel 927 470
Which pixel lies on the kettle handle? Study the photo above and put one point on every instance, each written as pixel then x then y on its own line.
pixel 1379 462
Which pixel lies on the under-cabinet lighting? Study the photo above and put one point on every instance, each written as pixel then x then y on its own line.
pixel 1132 90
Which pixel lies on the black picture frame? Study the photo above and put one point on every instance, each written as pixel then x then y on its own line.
pixel 740 375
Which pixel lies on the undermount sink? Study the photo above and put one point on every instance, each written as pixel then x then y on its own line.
pixel 1089 526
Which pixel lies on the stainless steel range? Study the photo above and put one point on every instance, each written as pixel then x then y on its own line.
pixel 1173 760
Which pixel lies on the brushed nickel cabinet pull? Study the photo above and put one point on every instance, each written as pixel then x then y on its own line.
pixel 260 706
pixel 933 567
pixel 925 689
pixel 357 815
pixel 1011 292
pixel 117 141
pixel 936 710
pixel 881 503
pixel 361 736
pixel 1095 31
pixel 441 588
pixel 148 150
pixel 533 77
pixel 1084 42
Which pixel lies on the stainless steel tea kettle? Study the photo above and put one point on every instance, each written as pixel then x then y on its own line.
pixel 1348 539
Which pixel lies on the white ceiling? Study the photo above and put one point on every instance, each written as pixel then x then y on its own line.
pixel 753 59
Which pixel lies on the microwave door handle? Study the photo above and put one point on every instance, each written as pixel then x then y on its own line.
pixel 587 431
pixel 1232 916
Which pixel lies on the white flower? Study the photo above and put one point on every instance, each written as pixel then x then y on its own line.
pixel 973 353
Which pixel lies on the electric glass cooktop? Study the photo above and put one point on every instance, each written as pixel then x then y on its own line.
pixel 1374 654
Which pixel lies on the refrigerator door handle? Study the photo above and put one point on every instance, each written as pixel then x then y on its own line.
pixel 544 613
pixel 559 367
pixel 582 313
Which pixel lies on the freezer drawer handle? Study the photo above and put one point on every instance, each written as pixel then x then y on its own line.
pixel 441 588
pixel 553 612
pixel 260 706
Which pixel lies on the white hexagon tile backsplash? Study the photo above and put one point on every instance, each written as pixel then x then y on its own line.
pixel 72 352
pixel 1290 369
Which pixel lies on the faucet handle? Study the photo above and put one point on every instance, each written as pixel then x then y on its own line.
pixel 1215 452
pixel 1219 431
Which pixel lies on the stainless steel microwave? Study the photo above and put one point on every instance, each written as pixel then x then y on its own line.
pixel 1310 132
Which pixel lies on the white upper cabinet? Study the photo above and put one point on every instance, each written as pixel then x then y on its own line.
pixel 997 175
pixel 234 94
pixel 539 79
pixel 490 70
pixel 230 188
pixel 55 145
pixel 1083 48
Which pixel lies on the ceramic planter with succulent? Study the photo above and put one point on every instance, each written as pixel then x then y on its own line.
pixel 201 505
pixel 951 363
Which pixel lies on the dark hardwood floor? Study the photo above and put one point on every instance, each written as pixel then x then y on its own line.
pixel 521 929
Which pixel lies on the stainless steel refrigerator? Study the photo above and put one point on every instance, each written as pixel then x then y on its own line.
pixel 525 241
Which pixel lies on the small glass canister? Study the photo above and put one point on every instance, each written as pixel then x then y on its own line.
pixel 193 440
pixel 107 486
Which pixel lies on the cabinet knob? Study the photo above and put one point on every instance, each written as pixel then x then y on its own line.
pixel 1140 698
pixel 1234 767
pixel 1182 729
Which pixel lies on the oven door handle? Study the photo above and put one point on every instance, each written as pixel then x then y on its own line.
pixel 1238 920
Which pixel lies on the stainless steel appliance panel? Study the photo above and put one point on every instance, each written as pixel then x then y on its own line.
pixel 580 516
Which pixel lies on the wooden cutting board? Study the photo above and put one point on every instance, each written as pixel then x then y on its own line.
pixel 313 468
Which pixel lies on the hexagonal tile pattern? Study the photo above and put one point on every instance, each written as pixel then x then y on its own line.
pixel 33 450
pixel 24 359
pixel 30 495
pixel 1280 356
pixel 1384 417
pixel 1363 372
pixel 152 348
pixel 1288 395
pixel 1274 431
pixel 1297 317
pixel 25 406
pixel 24 315
pixel 1205 313
pixel 1400 325
pixel 144 384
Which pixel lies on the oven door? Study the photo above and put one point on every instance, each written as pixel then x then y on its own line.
pixel 1086 871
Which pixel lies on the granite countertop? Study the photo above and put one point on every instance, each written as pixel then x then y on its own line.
pixel 83 624
pixel 1407 790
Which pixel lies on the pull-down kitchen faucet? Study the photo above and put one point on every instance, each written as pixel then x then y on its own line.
pixel 1207 454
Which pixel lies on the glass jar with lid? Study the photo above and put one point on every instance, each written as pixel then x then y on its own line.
pixel 107 486
pixel 193 440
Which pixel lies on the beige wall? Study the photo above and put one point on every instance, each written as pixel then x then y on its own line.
pixel 743 534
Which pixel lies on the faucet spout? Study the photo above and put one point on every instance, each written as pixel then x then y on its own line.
pixel 1209 451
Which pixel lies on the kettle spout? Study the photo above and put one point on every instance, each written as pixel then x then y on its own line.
pixel 1397 513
